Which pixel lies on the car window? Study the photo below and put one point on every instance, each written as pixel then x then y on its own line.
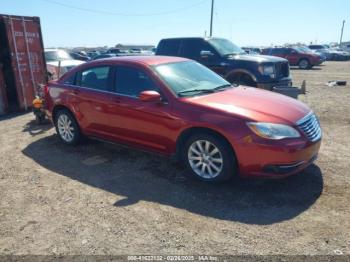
pixel 132 81
pixel 96 78
pixel 191 48
pixel 278 51
pixel 169 47
pixel 70 80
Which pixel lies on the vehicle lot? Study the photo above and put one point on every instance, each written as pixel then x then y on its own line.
pixel 99 198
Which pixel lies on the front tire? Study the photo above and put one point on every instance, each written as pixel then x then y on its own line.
pixel 67 127
pixel 209 158
pixel 242 79
pixel 304 64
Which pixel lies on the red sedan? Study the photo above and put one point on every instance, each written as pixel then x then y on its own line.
pixel 177 107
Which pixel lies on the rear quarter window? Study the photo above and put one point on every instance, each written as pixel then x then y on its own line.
pixel 96 78
pixel 70 80
pixel 169 47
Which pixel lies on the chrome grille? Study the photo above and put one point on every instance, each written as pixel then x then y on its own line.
pixel 311 127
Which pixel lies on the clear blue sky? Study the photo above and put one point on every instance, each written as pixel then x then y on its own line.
pixel 252 22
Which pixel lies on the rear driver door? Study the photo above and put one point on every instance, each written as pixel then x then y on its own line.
pixel 92 96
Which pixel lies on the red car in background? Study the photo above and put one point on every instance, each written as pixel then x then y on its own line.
pixel 177 107
pixel 295 56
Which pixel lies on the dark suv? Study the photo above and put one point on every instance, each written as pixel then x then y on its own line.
pixel 230 61
pixel 296 56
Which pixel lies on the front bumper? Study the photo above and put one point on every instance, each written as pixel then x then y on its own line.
pixel 270 85
pixel 278 159
pixel 318 62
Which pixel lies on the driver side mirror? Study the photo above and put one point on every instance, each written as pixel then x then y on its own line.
pixel 206 54
pixel 150 96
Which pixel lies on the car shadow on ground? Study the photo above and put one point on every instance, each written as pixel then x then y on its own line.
pixel 309 69
pixel 138 175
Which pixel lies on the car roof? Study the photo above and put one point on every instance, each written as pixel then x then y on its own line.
pixel 144 60
pixel 192 38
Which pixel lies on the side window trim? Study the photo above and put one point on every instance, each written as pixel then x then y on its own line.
pixel 115 91
pixel 74 80
pixel 110 80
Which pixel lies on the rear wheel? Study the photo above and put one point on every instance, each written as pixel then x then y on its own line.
pixel 209 158
pixel 304 64
pixel 67 127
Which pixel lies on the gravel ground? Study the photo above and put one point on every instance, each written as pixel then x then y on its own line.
pixel 99 198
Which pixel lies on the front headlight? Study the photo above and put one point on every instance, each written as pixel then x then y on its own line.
pixel 273 131
pixel 267 70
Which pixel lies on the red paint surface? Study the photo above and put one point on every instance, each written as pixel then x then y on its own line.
pixel 158 126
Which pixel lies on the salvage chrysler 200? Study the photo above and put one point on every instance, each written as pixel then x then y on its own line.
pixel 177 107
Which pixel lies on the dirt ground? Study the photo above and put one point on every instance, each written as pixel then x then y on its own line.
pixel 99 198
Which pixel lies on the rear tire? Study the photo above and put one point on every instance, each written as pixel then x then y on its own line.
pixel 67 127
pixel 209 158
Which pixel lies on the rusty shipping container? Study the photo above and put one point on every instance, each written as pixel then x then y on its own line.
pixel 22 61
pixel 3 98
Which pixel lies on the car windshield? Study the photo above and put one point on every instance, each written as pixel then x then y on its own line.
pixel 225 47
pixel 190 78
pixel 57 55
pixel 302 49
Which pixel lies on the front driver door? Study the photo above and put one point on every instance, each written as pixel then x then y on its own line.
pixel 146 124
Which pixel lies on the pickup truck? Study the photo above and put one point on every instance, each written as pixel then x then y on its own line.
pixel 230 61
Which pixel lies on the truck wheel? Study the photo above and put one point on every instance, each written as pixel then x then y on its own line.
pixel 208 158
pixel 241 79
pixel 304 64
pixel 67 127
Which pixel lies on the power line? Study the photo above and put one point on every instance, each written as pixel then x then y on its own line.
pixel 104 12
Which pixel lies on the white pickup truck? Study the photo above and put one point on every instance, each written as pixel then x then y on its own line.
pixel 58 58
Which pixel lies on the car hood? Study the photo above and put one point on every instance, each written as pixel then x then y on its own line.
pixel 65 63
pixel 257 58
pixel 254 104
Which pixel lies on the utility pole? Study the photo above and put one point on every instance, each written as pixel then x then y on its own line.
pixel 211 18
pixel 341 35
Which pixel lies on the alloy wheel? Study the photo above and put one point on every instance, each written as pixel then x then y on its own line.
pixel 65 128
pixel 205 159
pixel 304 64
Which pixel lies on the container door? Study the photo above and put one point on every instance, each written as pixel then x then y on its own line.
pixel 27 57
pixel 3 98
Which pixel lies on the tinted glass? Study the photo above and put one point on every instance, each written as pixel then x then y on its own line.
pixel 278 51
pixel 70 80
pixel 132 81
pixel 191 48
pixel 169 47
pixel 96 78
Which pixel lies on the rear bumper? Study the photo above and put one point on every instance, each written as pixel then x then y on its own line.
pixel 270 85
pixel 277 160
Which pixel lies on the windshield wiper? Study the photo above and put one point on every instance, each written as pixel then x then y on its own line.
pixel 235 53
pixel 222 87
pixel 196 90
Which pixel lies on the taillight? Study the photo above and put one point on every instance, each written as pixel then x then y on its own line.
pixel 46 89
